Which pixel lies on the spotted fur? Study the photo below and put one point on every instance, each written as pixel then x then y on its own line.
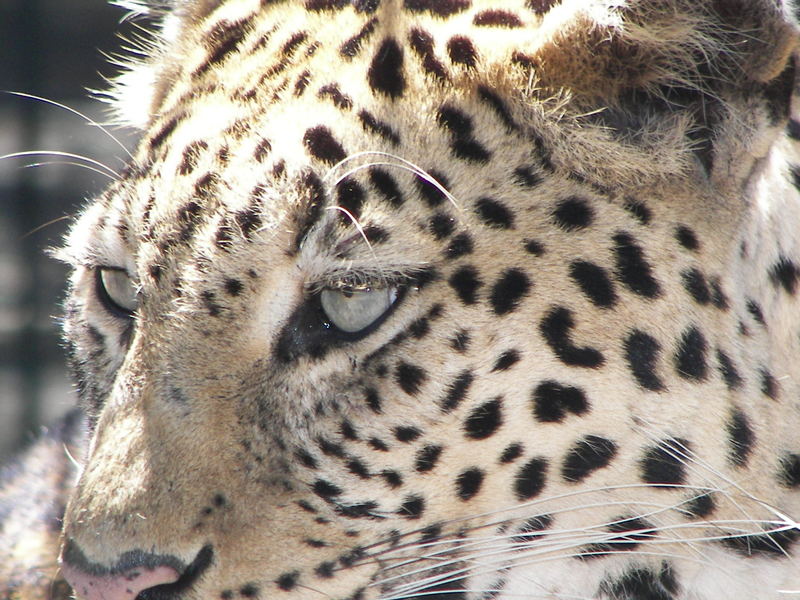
pixel 586 386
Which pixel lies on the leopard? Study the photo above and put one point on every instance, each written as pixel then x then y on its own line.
pixel 445 299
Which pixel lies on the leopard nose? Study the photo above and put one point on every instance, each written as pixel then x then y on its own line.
pixel 124 585
pixel 133 572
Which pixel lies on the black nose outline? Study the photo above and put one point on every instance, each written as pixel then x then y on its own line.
pixel 138 559
pixel 189 575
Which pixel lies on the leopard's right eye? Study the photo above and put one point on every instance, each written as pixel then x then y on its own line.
pixel 116 291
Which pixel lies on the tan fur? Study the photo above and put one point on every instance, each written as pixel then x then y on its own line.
pixel 645 140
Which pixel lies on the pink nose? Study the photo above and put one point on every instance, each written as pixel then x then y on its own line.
pixel 122 586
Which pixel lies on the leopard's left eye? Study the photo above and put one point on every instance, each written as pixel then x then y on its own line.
pixel 353 310
pixel 117 291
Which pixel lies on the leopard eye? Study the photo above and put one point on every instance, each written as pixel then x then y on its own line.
pixel 117 291
pixel 353 310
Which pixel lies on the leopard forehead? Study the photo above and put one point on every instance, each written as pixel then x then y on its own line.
pixel 580 219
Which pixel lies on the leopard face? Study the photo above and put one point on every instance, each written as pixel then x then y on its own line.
pixel 445 299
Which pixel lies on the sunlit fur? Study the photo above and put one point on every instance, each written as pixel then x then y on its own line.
pixel 596 397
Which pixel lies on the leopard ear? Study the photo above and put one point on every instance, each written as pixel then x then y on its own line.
pixel 714 76
pixel 138 90
pixel 604 48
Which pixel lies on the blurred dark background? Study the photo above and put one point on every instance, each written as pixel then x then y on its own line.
pixel 53 49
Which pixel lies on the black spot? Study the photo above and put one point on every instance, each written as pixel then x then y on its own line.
pixel 573 213
pixel 291 45
pixel 348 431
pixel 632 268
pixel 330 448
pixel 422 44
pixel 639 210
pixel 350 197
pixel 386 186
pixel 459 246
pixel 664 464
pixel 555 327
pixel 461 51
pixel 729 373
pixel 427 457
pixel 460 341
pixel 307 459
pixel 209 300
pixel 754 308
pixel 641 352
pixel 595 283
pixel 412 507
pixel 440 8
pixel 785 273
pixel 463 144
pixel 769 385
pixel 634 530
pixel 432 194
pixel 309 211
pixel 700 506
pixel 534 247
pixel 465 282
pixel 507 292
pixel 358 468
pixel 496 18
pixel 410 377
pixel 484 420
pixel 552 401
pixel 740 438
pixel 718 297
pixel 326 489
pixel 323 146
pixel 531 530
pixel 511 453
pixel 687 238
pixel 641 584
pixel 373 399
pixel 468 483
pixel 695 283
pixel 392 478
pixel 775 543
pixel 789 470
pixel 378 127
pixel 690 357
pixel 352 46
pixel 333 92
pixel 249 590
pixel 263 148
pixel 525 177
pixel 457 390
pixel 586 456
pixel 441 225
pixel 385 72
pixel 325 569
pixel 530 479
pixel 406 433
pixel 505 361
pixel 191 155
pixel 494 213
pixel 378 444
pixel 419 328
pixel 288 581
pixel 496 103
pixel 313 543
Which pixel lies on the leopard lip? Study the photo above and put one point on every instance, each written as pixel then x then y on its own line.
pixel 189 577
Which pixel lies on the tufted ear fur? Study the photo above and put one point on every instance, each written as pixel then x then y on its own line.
pixel 633 67
pixel 141 85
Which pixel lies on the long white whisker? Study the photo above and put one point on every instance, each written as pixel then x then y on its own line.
pixel 72 164
pixel 91 161
pixel 74 112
